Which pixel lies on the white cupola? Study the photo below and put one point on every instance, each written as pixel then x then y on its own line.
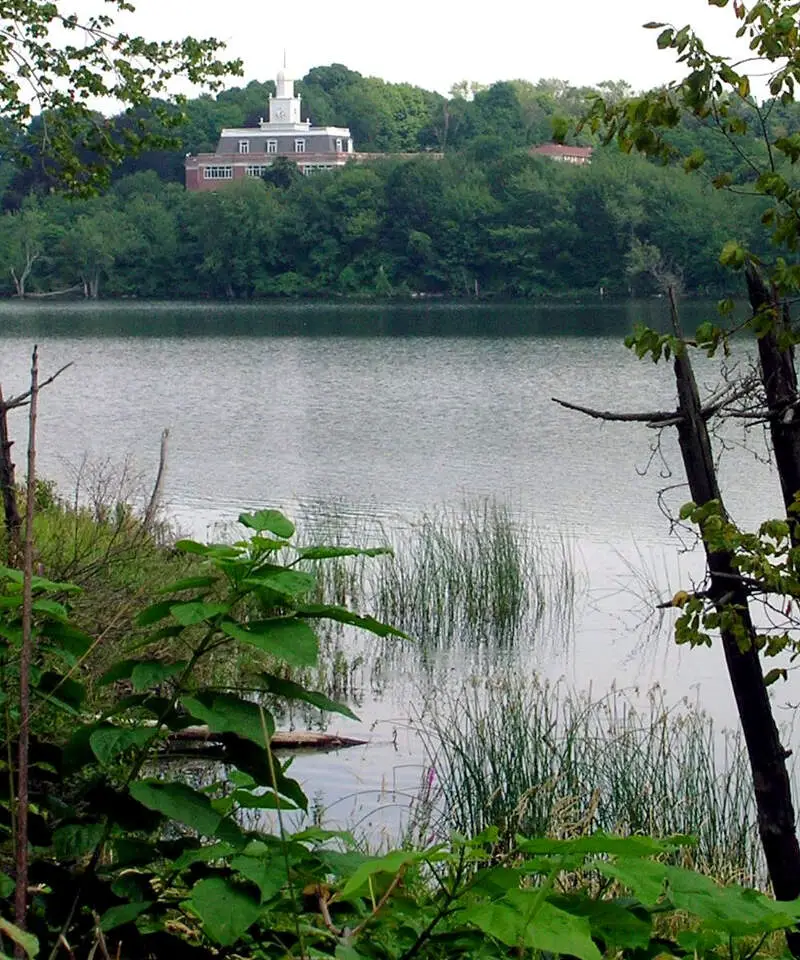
pixel 284 107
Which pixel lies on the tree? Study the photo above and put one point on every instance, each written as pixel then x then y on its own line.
pixel 742 568
pixel 96 61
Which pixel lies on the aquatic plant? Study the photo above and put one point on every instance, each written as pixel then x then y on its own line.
pixel 532 756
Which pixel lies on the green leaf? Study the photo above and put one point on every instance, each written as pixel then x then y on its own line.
pixel 177 801
pixel 391 863
pixel 226 910
pixel 149 673
pixel 72 641
pixel 734 910
pixel 124 913
pixel 288 583
pixel 519 921
pixel 109 742
pixel 610 920
pixel 634 846
pixel 324 611
pixel 214 851
pixel 154 613
pixel 7 886
pixel 225 713
pixel 189 583
pixel 188 614
pixel 269 875
pixel 50 607
pixel 261 801
pixel 273 521
pixel 27 941
pixel 76 840
pixel 645 878
pixel 329 553
pixel 290 690
pixel 285 638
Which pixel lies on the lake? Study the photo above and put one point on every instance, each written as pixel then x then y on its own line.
pixel 389 412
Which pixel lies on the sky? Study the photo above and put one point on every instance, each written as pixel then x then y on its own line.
pixel 434 43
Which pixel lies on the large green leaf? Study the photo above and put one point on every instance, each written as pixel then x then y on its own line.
pixel 285 638
pixel 71 642
pixel 154 613
pixel 225 713
pixel 391 863
pixel 76 840
pixel 261 801
pixel 267 873
pixel 734 910
pixel 645 878
pixel 273 521
pixel 27 941
pixel 635 846
pixel 225 909
pixel 290 690
pixel 330 553
pixel 205 854
pixel 324 611
pixel 178 802
pixel 124 913
pixel 519 921
pixel 149 673
pixel 189 614
pixel 288 583
pixel 611 921
pixel 109 742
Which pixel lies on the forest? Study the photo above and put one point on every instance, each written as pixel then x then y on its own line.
pixel 486 220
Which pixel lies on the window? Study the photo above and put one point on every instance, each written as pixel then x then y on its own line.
pixel 272 146
pixel 299 146
pixel 256 170
pixel 244 146
pixel 338 144
pixel 218 173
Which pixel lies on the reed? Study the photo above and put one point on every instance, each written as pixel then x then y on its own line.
pixel 474 573
pixel 532 756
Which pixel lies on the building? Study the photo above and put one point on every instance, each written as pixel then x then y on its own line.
pixel 563 153
pixel 249 151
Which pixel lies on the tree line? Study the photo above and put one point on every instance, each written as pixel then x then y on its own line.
pixel 489 219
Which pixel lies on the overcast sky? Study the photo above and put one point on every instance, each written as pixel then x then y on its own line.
pixel 434 43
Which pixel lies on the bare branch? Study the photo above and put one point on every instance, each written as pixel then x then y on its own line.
pixel 655 419
pixel 22 399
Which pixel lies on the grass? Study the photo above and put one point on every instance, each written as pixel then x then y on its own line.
pixel 474 574
pixel 532 756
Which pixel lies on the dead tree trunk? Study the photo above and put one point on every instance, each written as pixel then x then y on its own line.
pixel 767 756
pixel 779 378
pixel 8 484
pixel 776 818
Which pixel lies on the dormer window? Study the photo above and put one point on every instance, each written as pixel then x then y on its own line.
pixel 244 146
pixel 299 146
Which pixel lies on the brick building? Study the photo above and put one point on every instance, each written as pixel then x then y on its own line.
pixel 249 151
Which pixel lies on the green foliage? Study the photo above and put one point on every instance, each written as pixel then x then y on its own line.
pixel 156 864
pixel 97 60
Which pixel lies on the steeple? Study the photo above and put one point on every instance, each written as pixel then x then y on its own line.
pixel 284 107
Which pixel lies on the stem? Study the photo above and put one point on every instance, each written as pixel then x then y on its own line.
pixel 284 845
pixel 26 655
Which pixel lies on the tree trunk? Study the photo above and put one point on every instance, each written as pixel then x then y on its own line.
pixel 776 819
pixel 779 378
pixel 8 486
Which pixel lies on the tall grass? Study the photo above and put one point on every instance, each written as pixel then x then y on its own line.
pixel 531 756
pixel 473 573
